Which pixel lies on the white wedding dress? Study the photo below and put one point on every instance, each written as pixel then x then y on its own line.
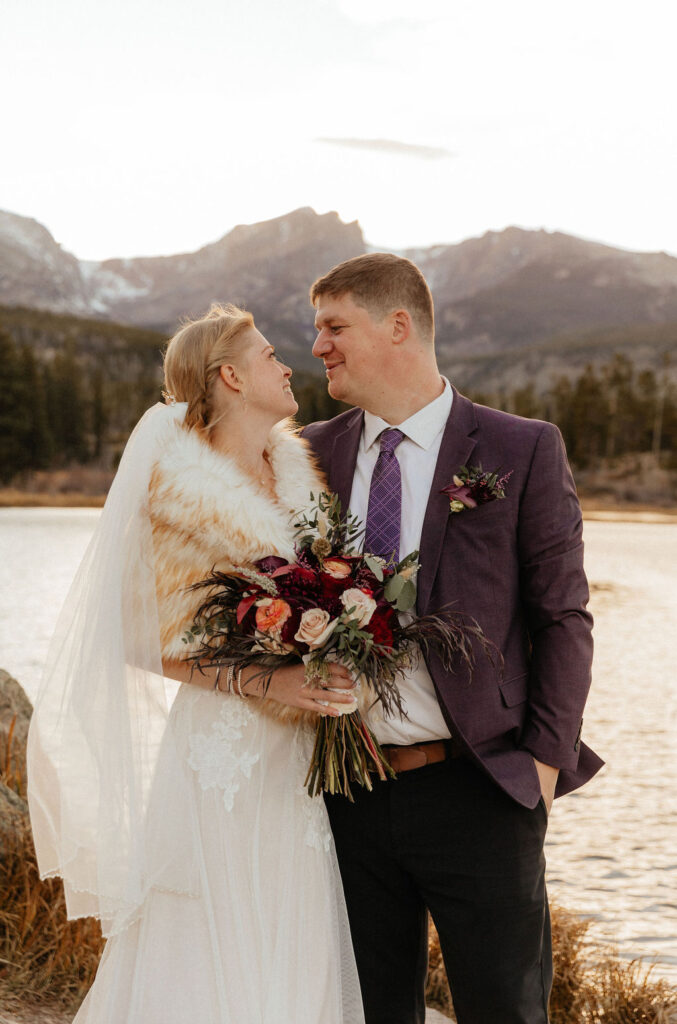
pixel 264 938
pixel 186 829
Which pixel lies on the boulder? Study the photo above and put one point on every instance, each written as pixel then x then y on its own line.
pixel 15 715
pixel 14 822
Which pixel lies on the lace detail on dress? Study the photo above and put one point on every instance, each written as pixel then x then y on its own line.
pixel 216 757
pixel 318 832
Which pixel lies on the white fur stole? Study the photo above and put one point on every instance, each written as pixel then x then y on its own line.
pixel 206 513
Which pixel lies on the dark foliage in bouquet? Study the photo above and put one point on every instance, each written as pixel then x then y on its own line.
pixel 331 604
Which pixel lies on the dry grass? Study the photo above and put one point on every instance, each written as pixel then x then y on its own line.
pixel 44 957
pixel 14 498
pixel 591 986
pixel 72 487
pixel 42 954
pixel 437 992
pixel 74 479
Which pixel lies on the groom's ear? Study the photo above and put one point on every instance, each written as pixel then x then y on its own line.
pixel 401 325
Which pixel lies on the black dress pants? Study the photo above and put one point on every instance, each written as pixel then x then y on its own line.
pixel 446 838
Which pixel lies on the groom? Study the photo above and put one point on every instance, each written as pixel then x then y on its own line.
pixel 479 759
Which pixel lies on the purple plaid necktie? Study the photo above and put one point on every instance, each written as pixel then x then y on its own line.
pixel 382 535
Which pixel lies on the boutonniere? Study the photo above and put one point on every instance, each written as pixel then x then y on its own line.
pixel 472 486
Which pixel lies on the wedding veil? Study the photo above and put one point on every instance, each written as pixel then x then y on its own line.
pixel 99 726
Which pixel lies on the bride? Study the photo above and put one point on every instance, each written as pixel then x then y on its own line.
pixel 187 830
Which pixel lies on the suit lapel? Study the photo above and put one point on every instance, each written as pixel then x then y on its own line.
pixel 455 450
pixel 344 457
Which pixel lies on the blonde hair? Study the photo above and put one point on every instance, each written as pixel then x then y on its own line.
pixel 382 283
pixel 193 358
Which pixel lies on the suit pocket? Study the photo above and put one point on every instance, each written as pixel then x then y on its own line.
pixel 488 510
pixel 514 691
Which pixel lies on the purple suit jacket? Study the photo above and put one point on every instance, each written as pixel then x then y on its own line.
pixel 515 565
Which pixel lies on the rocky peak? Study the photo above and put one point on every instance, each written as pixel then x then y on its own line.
pixel 33 264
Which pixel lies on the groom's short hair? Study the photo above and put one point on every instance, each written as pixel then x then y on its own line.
pixel 382 283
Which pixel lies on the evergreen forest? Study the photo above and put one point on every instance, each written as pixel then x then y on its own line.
pixel 72 390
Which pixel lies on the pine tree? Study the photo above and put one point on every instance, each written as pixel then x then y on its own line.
pixel 589 414
pixel 525 402
pixel 619 378
pixel 99 413
pixel 15 412
pixel 40 440
pixel 315 402
pixel 560 404
pixel 67 407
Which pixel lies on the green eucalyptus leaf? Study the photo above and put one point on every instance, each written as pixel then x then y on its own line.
pixel 410 559
pixel 375 567
pixel 393 588
pixel 407 596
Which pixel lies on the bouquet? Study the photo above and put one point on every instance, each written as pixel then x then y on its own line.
pixel 331 603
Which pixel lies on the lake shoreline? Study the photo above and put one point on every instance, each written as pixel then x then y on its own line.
pixel 11 497
pixel 609 847
pixel 593 509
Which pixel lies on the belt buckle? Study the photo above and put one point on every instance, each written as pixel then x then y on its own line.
pixel 419 755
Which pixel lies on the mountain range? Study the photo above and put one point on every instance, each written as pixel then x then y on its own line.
pixel 511 306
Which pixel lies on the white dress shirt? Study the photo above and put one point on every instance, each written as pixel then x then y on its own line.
pixel 417 455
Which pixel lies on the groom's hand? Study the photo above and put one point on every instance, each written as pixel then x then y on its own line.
pixel 547 776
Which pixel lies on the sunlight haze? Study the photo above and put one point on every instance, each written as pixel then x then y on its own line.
pixel 153 127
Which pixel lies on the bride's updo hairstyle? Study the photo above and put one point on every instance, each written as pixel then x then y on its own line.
pixel 193 358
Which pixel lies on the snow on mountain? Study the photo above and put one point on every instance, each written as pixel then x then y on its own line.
pixel 495 294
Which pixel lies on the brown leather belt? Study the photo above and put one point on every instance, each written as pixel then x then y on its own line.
pixel 416 755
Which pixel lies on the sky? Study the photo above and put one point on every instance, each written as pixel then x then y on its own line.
pixel 147 127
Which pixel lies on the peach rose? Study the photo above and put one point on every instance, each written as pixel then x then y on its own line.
pixel 363 605
pixel 336 568
pixel 315 628
pixel 271 615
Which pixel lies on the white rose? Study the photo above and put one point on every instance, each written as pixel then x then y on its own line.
pixel 363 605
pixel 315 628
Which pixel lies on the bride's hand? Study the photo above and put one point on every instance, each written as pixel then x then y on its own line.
pixel 286 686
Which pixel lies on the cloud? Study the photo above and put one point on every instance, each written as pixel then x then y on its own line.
pixel 380 11
pixel 393 146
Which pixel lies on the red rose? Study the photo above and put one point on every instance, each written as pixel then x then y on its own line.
pixel 290 627
pixel 365 580
pixel 332 587
pixel 304 577
pixel 379 626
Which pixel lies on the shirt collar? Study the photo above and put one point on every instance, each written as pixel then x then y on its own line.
pixel 422 428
